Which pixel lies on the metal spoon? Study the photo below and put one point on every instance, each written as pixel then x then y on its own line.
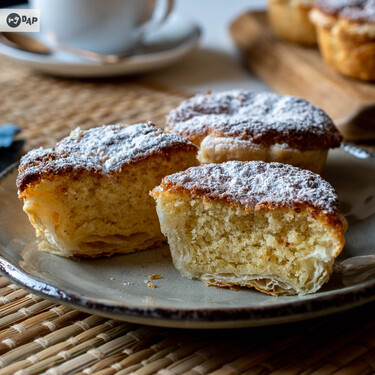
pixel 28 44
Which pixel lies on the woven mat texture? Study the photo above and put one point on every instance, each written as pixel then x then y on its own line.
pixel 40 336
pixel 47 108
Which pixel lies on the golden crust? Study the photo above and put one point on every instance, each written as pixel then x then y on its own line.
pixel 248 284
pixel 348 56
pixel 291 22
pixel 27 178
pixel 43 246
pixel 256 185
pixel 260 187
pixel 263 118
pixel 347 46
pixel 68 158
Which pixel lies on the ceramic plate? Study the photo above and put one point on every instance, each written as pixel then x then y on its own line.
pixel 116 288
pixel 171 42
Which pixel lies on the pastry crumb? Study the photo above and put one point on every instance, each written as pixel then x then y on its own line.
pixel 151 285
pixel 155 276
pixel 76 134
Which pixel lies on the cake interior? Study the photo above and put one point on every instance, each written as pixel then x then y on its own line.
pixel 94 214
pixel 276 251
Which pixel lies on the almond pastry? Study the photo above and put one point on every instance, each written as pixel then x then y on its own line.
pixel 346 36
pixel 290 20
pixel 88 196
pixel 271 226
pixel 244 125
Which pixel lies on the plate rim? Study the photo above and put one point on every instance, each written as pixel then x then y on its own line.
pixel 352 296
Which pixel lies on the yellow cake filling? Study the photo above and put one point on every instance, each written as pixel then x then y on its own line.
pixel 94 215
pixel 277 251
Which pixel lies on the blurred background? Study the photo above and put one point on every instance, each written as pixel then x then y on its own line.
pixel 216 64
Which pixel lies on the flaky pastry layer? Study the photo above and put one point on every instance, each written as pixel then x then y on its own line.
pixel 221 149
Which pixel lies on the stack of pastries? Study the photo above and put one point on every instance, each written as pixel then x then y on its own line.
pixel 344 30
pixel 346 34
pixel 251 222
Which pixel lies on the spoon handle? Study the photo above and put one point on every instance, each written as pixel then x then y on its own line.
pixel 92 56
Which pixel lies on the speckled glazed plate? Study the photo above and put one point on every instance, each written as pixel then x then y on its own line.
pixel 115 287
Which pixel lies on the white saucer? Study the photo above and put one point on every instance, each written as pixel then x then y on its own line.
pixel 172 41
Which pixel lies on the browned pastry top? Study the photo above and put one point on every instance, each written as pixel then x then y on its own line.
pixel 263 118
pixel 256 185
pixel 104 150
pixel 352 10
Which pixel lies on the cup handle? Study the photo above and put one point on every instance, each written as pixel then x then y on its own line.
pixel 159 17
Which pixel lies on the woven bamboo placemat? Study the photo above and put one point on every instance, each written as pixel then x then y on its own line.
pixel 47 108
pixel 37 335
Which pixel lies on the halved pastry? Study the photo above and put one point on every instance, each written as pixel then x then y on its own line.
pixel 252 224
pixel 89 196
pixel 244 125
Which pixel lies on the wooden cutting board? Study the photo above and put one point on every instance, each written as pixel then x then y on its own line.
pixel 296 70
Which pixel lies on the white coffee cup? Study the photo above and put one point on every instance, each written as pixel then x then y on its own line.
pixel 102 26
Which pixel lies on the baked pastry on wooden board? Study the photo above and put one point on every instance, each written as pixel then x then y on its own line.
pixel 89 196
pixel 290 69
pixel 244 125
pixel 290 20
pixel 271 226
pixel 346 36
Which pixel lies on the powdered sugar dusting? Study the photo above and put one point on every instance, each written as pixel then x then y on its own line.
pixel 255 184
pixel 264 118
pixel 109 147
pixel 103 149
pixel 353 10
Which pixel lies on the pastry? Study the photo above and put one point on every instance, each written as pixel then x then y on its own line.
pixel 271 226
pixel 244 125
pixel 89 195
pixel 290 20
pixel 346 36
